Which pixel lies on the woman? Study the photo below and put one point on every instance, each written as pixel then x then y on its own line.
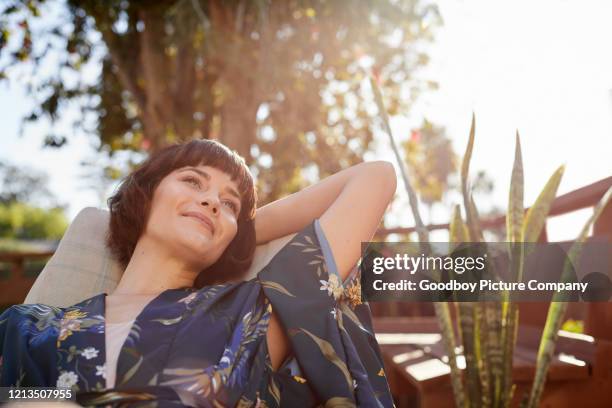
pixel 183 328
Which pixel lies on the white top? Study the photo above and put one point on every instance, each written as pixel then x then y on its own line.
pixel 121 313
pixel 115 334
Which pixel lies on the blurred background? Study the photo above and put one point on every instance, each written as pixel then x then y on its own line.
pixel 88 89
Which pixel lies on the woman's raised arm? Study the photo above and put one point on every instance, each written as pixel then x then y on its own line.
pixel 349 204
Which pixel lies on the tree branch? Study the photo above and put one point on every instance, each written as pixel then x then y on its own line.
pixel 183 93
pixel 113 42
pixel 156 76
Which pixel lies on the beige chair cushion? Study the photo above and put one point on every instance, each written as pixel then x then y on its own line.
pixel 83 267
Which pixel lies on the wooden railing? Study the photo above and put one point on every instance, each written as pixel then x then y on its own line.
pixel 14 289
pixel 578 199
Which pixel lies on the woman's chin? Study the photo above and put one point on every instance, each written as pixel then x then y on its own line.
pixel 195 233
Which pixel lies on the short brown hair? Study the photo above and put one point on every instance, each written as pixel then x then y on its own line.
pixel 130 205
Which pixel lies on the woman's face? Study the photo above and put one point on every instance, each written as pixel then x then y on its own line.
pixel 194 213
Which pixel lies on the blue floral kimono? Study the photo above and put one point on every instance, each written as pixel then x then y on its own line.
pixel 207 347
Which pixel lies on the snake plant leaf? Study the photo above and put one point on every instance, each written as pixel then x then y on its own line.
pixel 465 164
pixel 488 318
pixel 465 314
pixel 537 213
pixel 509 341
pixel 474 227
pixel 442 311
pixel 458 230
pixel 510 314
pixel 465 190
pixel 482 353
pixel 557 309
pixel 514 219
pixel 479 353
pixel 495 349
pixel 448 337
pixel 422 232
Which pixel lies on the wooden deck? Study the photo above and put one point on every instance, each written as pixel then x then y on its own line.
pixel 419 375
pixel 581 374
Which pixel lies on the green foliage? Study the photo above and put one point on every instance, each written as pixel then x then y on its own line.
pixel 23 185
pixel 12 245
pixel 491 385
pixel 22 221
pixel 557 308
pixel 573 326
pixel 23 192
pixel 278 81
pixel 431 161
pixel 432 166
pixel 441 308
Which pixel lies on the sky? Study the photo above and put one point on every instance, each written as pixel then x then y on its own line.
pixel 543 68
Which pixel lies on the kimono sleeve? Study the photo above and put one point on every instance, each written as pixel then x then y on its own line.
pixel 329 329
pixel 18 366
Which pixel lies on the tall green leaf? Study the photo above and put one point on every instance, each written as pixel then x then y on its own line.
pixel 465 315
pixel 422 232
pixel 458 234
pixel 448 337
pixel 514 219
pixel 557 309
pixel 465 190
pixel 514 230
pixel 495 350
pixel 538 212
pixel 442 311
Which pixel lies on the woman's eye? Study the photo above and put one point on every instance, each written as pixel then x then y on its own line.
pixel 233 206
pixel 193 180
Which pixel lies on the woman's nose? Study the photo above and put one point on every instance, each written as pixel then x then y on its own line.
pixel 211 204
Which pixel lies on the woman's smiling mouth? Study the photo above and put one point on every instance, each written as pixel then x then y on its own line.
pixel 202 219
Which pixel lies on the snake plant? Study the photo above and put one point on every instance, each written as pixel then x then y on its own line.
pixel 487 330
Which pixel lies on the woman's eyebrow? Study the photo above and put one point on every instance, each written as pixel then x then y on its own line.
pixel 204 174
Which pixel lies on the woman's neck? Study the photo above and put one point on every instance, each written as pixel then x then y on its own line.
pixel 151 271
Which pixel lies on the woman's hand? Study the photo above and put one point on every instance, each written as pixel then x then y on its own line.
pixel 349 204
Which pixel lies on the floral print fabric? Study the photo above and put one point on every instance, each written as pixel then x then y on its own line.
pixel 207 347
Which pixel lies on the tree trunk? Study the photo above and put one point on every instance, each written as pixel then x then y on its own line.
pixel 239 117
pixel 158 108
pixel 238 76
